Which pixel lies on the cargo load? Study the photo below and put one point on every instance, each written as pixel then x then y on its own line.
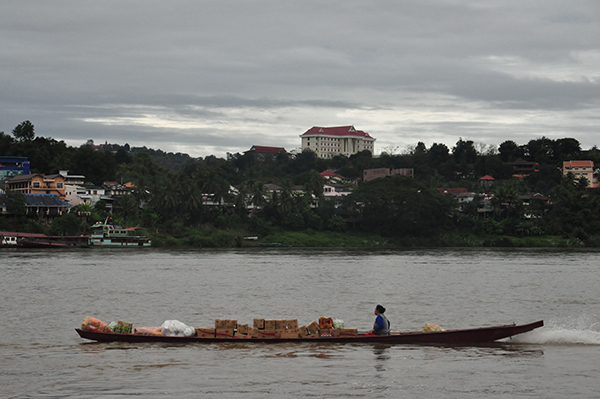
pixel 94 324
pixel 123 327
pixel 205 332
pixel 175 328
pixel 148 331
pixel 224 333
pixel 325 322
pixel 432 328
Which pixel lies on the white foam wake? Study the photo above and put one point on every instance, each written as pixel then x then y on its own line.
pixel 577 331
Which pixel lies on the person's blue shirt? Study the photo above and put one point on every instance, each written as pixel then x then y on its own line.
pixel 381 325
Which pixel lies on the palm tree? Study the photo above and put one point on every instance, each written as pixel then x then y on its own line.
pixel 285 200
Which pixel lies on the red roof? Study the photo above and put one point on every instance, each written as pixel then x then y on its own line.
pixel 328 175
pixel 268 150
pixel 578 164
pixel 487 177
pixel 336 131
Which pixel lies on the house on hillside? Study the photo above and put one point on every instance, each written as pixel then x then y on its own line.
pixel 38 183
pixel 370 174
pixel 336 192
pixel 486 180
pixel 327 142
pixel 41 205
pixel 11 167
pixel 582 169
pixel 523 168
pixel 264 152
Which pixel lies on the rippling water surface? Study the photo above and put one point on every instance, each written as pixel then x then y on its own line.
pixel 45 295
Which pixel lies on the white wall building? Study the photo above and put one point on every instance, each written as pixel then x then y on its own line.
pixel 327 142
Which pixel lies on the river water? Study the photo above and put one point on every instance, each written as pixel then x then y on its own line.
pixel 45 295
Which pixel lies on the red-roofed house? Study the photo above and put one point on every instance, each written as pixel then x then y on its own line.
pixel 328 142
pixel 263 151
pixel 581 169
pixel 486 180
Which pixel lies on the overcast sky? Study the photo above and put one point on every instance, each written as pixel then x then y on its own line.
pixel 212 77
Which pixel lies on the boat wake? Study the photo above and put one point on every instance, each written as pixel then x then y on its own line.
pixel 576 331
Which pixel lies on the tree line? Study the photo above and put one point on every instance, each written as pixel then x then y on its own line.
pixel 175 192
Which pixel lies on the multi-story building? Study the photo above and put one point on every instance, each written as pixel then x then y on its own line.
pixel 11 167
pixel 38 183
pixel 327 142
pixel 581 169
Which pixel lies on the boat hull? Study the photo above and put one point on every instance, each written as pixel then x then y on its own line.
pixel 452 337
pixel 120 242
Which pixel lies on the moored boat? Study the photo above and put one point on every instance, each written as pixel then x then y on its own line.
pixel 106 234
pixel 36 240
pixel 450 337
pixel 55 242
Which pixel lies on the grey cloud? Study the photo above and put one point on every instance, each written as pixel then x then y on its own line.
pixel 272 69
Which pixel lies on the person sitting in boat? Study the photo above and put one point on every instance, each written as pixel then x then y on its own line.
pixel 382 324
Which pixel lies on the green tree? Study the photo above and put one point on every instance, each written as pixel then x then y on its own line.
pixel 402 206
pixel 24 131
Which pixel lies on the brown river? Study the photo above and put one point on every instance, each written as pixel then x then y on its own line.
pixel 44 296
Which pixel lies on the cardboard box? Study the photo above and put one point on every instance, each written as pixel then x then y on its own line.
pixel 280 324
pixel 259 324
pixel 224 333
pixel 313 327
pixel 267 334
pixel 312 336
pixel 348 332
pixel 242 329
pixel 205 332
pixel 225 324
pixel 291 324
pixel 303 331
pixel 325 322
pixel 242 336
pixel 289 334
pixel 220 323
pixel 270 324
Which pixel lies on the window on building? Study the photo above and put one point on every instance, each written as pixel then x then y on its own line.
pixel 36 184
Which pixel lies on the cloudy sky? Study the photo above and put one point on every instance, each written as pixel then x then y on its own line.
pixel 211 77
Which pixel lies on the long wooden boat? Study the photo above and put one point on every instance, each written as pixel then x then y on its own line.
pixel 55 242
pixel 451 337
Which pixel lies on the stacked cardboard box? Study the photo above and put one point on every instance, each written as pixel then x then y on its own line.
pixel 289 334
pixel 291 324
pixel 259 324
pixel 325 322
pixel 275 328
pixel 329 332
pixel 226 324
pixel 345 332
pixel 205 332
pixel 224 333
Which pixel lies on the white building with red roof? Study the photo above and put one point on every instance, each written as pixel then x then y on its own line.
pixel 581 169
pixel 327 142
